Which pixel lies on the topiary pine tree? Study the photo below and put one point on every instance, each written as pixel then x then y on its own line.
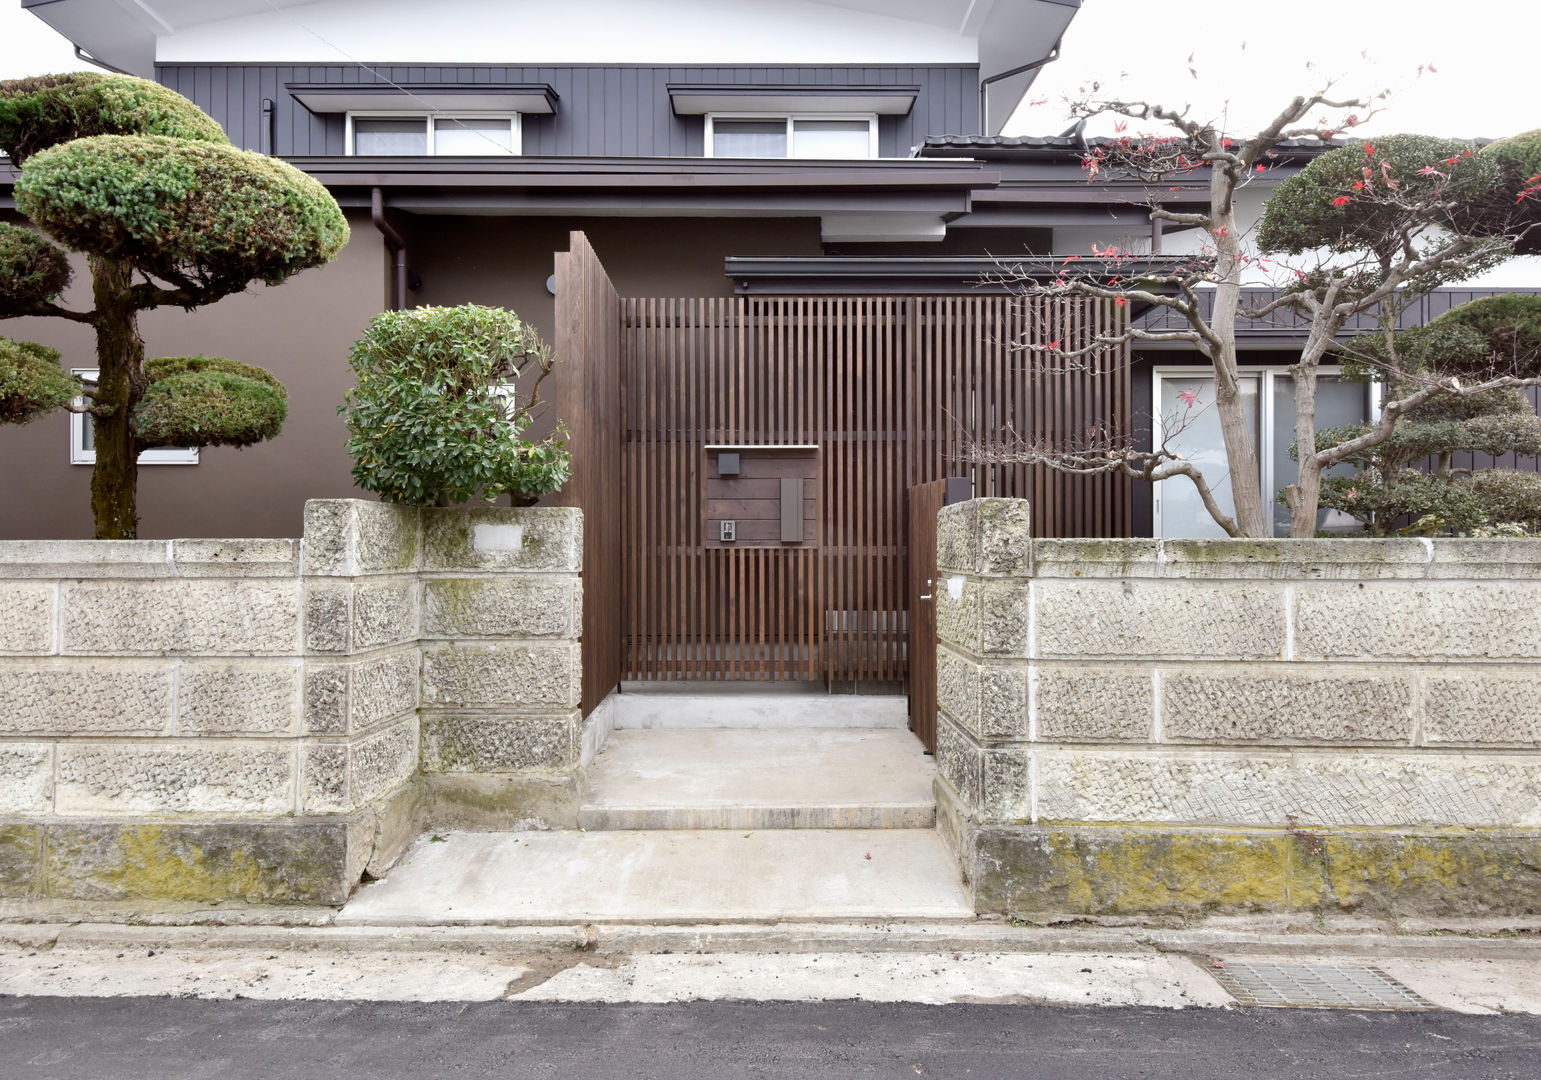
pixel 1472 343
pixel 167 213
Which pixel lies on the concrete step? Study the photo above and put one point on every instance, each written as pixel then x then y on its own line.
pixel 778 779
pixel 705 876
pixel 787 706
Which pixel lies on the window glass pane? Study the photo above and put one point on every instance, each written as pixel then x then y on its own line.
pixel 749 138
pixel 1189 404
pixel 472 136
pixel 390 136
pixel 1339 403
pixel 831 139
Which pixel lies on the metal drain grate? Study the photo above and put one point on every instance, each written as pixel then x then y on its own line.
pixel 1315 986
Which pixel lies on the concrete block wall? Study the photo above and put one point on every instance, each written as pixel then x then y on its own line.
pixel 1138 725
pixel 238 719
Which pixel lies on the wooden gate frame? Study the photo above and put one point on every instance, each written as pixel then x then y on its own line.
pixel 760 369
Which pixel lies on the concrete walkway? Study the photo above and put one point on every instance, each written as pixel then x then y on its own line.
pixel 654 876
pixel 766 779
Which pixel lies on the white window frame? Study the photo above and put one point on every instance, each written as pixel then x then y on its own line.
pixel 79 455
pixel 791 119
pixel 1268 375
pixel 516 127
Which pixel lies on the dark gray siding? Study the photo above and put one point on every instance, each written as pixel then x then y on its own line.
pixel 602 111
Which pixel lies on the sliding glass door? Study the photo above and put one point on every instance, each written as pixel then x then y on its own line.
pixel 1186 417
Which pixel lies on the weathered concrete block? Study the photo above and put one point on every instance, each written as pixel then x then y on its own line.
pixel 492 743
pixel 1160 619
pixel 86 697
pixel 324 778
pixel 1285 704
pixel 957 688
pixel 27 617
pixel 326 699
pixel 1096 559
pixel 503 607
pixel 1482 706
pixel 1005 545
pixel 381 762
pixel 384 613
pixel 1381 620
pixel 382 687
pixel 1037 870
pixel 957 611
pixel 274 862
pixel 21 859
pixel 989 618
pixel 1005 786
pixel 1484 559
pixel 1003 701
pixel 250 777
pixel 957 537
pixel 503 538
pixel 26 777
pixel 254 697
pixel 959 761
pixel 213 617
pixel 76 559
pixel 1094 704
pixel 232 558
pixel 1494 872
pixel 328 616
pixel 1282 790
pixel 1295 559
pixel 527 675
pixel 350 537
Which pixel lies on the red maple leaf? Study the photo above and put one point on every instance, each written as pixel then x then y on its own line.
pixel 1189 397
pixel 1342 200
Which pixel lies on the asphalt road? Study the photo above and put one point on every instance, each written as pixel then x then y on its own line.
pixel 161 1038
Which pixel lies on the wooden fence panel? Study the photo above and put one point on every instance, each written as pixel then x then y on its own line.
pixel 886 392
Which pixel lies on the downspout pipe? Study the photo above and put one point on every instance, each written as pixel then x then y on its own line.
pixel 397 246
pixel 86 58
pixel 985 84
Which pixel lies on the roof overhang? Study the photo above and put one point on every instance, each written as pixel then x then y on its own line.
pixel 947 273
pixel 866 201
pixel 698 99
pixel 415 97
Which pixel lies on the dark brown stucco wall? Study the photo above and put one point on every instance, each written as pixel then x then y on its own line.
pixel 301 332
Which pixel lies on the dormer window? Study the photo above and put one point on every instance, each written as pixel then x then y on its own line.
pixel 815 136
pixel 397 135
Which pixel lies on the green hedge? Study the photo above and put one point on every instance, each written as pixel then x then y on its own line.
pixel 222 216
pixel 32 382
pixel 208 401
pixel 47 110
pixel 31 269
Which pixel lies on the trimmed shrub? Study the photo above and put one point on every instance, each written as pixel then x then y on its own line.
pixel 208 401
pixel 32 270
pixel 47 110
pixel 32 382
pixel 1520 158
pixel 223 216
pixel 442 405
pixel 1319 207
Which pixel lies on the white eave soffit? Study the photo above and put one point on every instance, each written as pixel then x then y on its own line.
pixel 531 98
pixel 697 100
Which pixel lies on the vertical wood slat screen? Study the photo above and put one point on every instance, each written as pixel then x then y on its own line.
pixel 587 397
pixel 889 389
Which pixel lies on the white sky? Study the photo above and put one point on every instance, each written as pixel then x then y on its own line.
pixel 1484 51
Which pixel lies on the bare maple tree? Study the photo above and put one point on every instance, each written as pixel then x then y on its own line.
pixel 1361 234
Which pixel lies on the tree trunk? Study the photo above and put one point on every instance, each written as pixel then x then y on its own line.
pixel 120 382
pixel 1235 425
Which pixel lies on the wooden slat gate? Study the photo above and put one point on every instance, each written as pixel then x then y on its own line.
pixel 926 501
pixel 865 397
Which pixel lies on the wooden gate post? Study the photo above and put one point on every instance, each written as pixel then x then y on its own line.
pixel 588 400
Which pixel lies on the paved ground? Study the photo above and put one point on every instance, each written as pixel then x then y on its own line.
pixel 163 1039
pixel 666 876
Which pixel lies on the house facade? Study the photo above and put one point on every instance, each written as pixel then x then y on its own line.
pixel 769 148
